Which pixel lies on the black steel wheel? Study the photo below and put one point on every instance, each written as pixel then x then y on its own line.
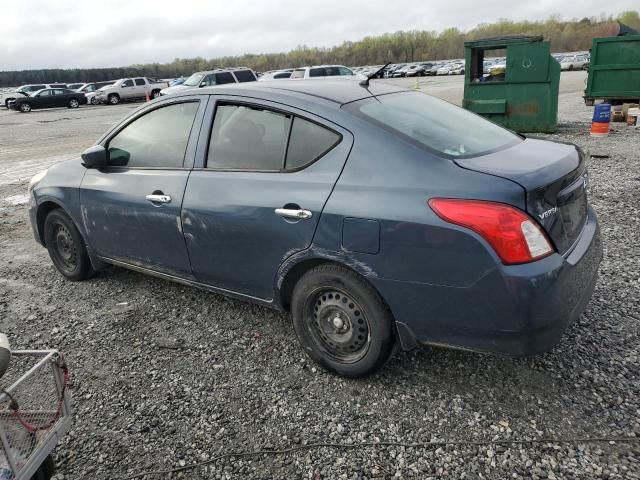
pixel 341 321
pixel 66 246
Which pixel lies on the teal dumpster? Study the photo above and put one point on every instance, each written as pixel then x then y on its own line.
pixel 521 90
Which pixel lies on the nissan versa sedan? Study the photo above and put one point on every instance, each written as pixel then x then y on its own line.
pixel 375 216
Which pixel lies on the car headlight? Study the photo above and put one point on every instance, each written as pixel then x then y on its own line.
pixel 37 178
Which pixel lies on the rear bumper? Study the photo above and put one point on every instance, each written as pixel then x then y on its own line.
pixel 518 309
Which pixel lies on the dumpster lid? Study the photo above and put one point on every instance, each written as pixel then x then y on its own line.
pixel 503 41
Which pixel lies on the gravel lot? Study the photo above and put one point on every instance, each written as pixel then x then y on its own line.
pixel 164 375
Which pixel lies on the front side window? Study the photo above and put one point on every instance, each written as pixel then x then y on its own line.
pixel 433 124
pixel 345 71
pixel 282 75
pixel 127 83
pixel 299 73
pixel 157 139
pixel 248 138
pixel 208 81
pixel 140 81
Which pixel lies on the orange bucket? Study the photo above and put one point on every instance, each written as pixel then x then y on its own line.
pixel 599 129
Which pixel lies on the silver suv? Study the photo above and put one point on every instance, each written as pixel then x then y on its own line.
pixel 210 78
pixel 322 71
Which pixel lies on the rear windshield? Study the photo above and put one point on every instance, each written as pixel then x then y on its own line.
pixel 434 124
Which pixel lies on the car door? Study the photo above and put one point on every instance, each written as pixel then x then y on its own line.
pixel 141 88
pixel 60 97
pixel 131 208
pixel 44 99
pixel 127 89
pixel 263 175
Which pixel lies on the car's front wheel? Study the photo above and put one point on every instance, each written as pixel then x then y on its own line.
pixel 66 247
pixel 74 103
pixel 25 107
pixel 94 101
pixel 114 99
pixel 341 321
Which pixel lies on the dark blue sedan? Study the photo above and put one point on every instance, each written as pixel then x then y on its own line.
pixel 374 215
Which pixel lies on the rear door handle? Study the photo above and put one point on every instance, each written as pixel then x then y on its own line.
pixel 154 198
pixel 299 214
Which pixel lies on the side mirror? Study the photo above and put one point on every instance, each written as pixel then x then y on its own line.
pixel 94 157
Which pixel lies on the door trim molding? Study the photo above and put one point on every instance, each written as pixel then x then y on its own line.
pixel 186 281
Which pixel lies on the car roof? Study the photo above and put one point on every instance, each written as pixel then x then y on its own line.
pixel 337 91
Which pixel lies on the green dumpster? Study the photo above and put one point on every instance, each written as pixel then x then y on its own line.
pixel 521 91
pixel 614 72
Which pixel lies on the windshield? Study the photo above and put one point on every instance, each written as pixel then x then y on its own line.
pixel 194 80
pixel 433 124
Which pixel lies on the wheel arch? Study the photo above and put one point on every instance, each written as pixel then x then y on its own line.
pixel 44 209
pixel 293 271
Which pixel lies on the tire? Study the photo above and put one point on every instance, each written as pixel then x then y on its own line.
pixel 66 247
pixel 73 103
pixel 341 322
pixel 113 99
pixel 570 68
pixel 25 107
pixel 45 470
pixel 94 101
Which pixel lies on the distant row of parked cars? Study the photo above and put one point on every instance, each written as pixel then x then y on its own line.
pixel 28 97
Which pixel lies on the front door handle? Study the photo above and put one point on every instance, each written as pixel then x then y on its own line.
pixel 298 214
pixel 154 198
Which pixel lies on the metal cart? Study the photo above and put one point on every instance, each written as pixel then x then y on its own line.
pixel 35 411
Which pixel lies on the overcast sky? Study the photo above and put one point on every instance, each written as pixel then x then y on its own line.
pixel 106 33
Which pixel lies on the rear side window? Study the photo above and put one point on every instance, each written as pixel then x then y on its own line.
pixel 245 76
pixel 254 138
pixel 224 77
pixel 298 73
pixel 139 81
pixel 308 142
pixel 248 138
pixel 433 124
pixel 158 139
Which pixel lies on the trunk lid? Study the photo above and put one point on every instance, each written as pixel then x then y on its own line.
pixel 554 178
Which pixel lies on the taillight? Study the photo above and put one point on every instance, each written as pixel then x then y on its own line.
pixel 513 234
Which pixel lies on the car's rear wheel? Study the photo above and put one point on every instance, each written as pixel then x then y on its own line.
pixel 66 247
pixel 25 107
pixel 341 321
pixel 74 103
pixel 114 99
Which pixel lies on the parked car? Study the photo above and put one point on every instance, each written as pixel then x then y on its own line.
pixel 49 98
pixel 574 62
pixel 444 69
pixel 90 91
pixel 25 90
pixel 277 75
pixel 128 89
pixel 456 69
pixel 407 219
pixel 210 78
pixel 73 86
pixel 322 71
pixel 177 81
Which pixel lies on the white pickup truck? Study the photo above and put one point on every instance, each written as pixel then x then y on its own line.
pixel 130 89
